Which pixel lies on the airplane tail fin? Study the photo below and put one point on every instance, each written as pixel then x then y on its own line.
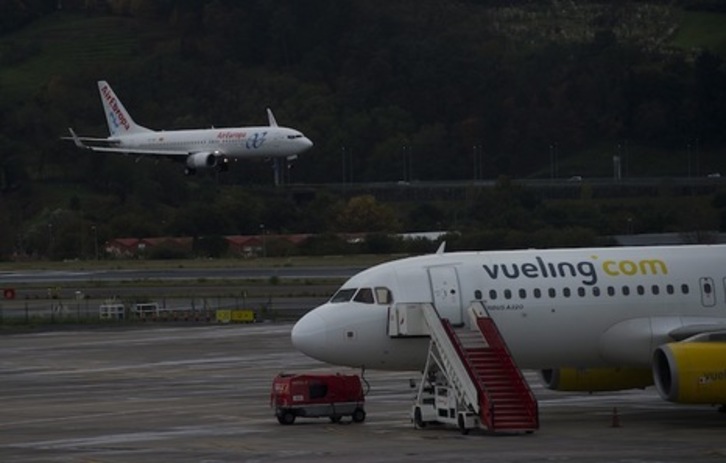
pixel 118 119
pixel 271 118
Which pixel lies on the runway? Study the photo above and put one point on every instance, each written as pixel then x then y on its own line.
pixel 201 394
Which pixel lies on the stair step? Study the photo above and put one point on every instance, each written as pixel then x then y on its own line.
pixel 514 410
pixel 511 423
pixel 495 373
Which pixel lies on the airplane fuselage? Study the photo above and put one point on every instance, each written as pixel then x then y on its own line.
pixel 232 142
pixel 579 308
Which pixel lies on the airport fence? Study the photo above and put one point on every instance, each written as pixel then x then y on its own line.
pixel 90 311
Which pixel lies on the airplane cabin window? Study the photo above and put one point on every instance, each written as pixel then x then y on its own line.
pixel 641 290
pixel 493 294
pixel 566 292
pixel 596 291
pixel 707 288
pixel 343 295
pixel 384 296
pixel 655 289
pixel 537 293
pixel 684 289
pixel 552 292
pixel 581 291
pixel 507 294
pixel 477 294
pixel 523 293
pixel 626 290
pixel 364 295
pixel 611 291
pixel 670 289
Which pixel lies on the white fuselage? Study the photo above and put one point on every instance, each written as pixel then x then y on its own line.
pixel 555 308
pixel 241 142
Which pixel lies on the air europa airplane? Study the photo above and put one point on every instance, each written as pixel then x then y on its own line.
pixel 196 148
pixel 591 319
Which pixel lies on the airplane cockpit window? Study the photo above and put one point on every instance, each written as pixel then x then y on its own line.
pixel 364 295
pixel 292 137
pixel 343 295
pixel 384 296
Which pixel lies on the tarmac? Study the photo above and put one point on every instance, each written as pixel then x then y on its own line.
pixel 201 394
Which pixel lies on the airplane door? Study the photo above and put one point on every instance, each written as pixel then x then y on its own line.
pixel 708 292
pixel 446 293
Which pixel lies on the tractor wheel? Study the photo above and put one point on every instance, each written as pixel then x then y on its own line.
pixel 286 417
pixel 417 418
pixel 462 425
pixel 359 415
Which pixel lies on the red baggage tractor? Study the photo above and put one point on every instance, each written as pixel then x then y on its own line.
pixel 315 395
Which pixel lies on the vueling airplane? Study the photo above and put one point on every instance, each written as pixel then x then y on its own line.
pixel 596 319
pixel 198 148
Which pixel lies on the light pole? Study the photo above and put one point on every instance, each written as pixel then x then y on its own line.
pixel 95 241
pixel 264 244
pixel 478 175
pixel 50 241
pixel 342 157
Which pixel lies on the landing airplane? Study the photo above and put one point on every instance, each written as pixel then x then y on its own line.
pixel 596 319
pixel 198 148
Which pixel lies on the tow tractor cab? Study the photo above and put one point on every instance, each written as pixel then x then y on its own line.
pixel 317 395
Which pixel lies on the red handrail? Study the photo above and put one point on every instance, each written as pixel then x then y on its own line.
pixel 493 336
pixel 486 409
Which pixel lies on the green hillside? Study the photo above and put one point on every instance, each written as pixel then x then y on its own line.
pixel 698 30
pixel 64 45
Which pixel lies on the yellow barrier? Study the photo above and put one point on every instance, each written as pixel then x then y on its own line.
pixel 223 316
pixel 243 316
pixel 235 316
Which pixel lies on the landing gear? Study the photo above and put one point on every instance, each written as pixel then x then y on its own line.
pixel 278 165
pixel 189 171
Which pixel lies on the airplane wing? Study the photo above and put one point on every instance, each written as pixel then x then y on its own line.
pixel 79 141
pixel 108 149
pixel 271 118
pixel 685 332
pixel 109 141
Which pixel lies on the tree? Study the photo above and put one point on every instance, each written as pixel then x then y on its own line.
pixel 364 213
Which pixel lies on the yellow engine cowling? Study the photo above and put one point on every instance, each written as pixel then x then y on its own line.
pixel 596 379
pixel 691 372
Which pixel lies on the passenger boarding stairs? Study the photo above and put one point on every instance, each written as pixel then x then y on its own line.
pixel 471 380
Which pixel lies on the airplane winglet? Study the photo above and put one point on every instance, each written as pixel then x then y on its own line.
pixel 271 118
pixel 442 248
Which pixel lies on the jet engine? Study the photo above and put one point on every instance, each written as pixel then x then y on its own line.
pixel 201 160
pixel 596 379
pixel 692 372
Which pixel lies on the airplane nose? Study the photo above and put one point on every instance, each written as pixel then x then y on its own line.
pixel 309 335
pixel 307 143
